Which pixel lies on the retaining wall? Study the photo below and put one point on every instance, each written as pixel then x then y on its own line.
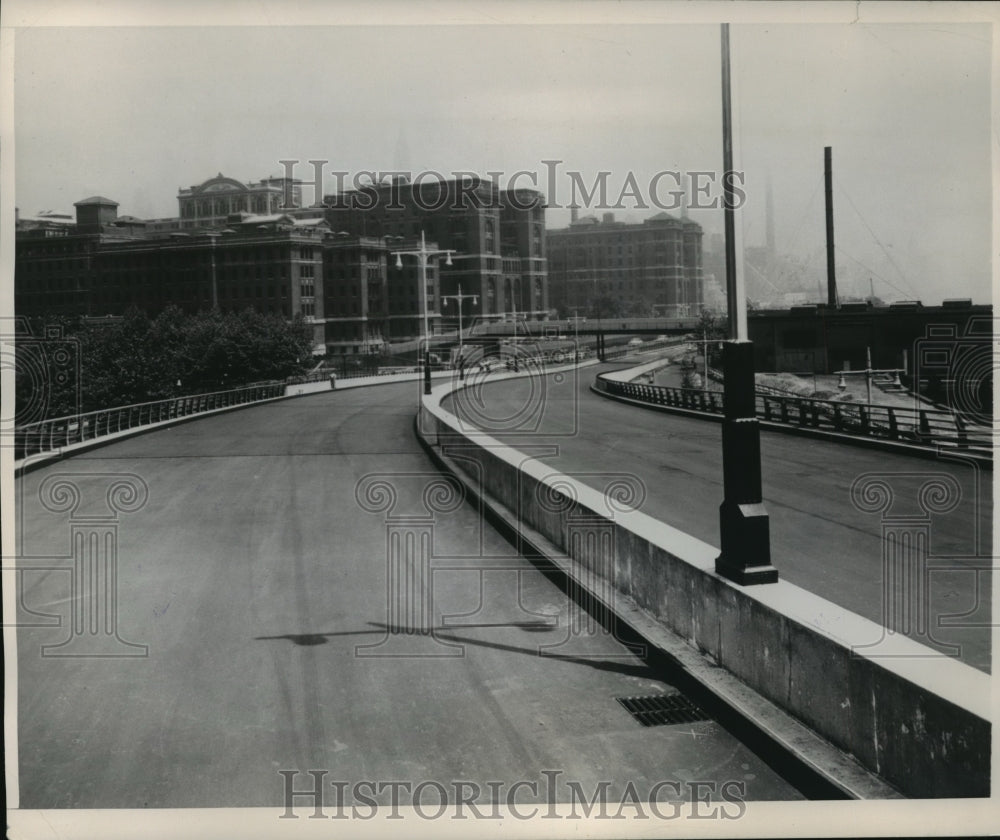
pixel 918 720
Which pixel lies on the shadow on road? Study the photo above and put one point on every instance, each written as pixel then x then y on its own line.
pixel 448 634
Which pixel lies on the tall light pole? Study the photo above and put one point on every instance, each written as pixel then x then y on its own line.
pixel 869 372
pixel 704 342
pixel 213 235
pixel 423 254
pixel 460 299
pixel 513 303
pixel 744 525
pixel 576 333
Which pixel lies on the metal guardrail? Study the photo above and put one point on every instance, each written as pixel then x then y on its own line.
pixel 926 427
pixel 388 371
pixel 358 373
pixel 306 378
pixel 619 351
pixel 57 433
pixel 50 435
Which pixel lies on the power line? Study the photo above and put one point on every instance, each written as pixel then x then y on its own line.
pixel 878 242
pixel 782 276
pixel 872 271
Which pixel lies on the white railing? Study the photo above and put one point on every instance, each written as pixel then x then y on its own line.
pixel 50 435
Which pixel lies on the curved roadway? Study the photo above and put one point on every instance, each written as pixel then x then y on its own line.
pixel 253 575
pixel 819 539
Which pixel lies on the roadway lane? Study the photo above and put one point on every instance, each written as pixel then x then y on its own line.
pixel 819 540
pixel 252 573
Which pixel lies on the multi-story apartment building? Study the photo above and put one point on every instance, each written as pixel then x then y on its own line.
pixel 369 301
pixel 106 264
pixel 101 264
pixel 651 268
pixel 498 239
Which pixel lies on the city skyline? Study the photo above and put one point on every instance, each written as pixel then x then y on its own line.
pixel 149 110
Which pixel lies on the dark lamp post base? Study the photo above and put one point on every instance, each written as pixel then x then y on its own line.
pixel 743 521
pixel 746 544
pixel 749 576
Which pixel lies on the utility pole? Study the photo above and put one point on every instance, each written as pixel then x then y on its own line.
pixel 460 299
pixel 576 333
pixel 743 521
pixel 704 357
pixel 423 254
pixel 213 235
pixel 870 373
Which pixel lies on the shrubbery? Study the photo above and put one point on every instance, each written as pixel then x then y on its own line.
pixel 139 359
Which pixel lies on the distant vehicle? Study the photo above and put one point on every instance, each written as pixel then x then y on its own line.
pixel 635 342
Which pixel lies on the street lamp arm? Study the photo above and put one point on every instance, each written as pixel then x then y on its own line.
pixel 423 254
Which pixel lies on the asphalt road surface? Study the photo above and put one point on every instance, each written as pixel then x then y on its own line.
pixel 255 575
pixel 819 539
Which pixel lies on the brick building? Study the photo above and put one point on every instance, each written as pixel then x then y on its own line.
pixel 651 268
pixel 498 237
pixel 210 203
pixel 232 247
pixel 99 264
pixel 106 264
pixel 369 302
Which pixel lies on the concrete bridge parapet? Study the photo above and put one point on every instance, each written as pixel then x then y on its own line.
pixel 918 719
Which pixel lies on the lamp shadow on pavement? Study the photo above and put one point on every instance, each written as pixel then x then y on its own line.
pixel 307 639
pixel 447 634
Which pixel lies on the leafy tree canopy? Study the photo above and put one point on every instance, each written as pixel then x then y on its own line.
pixel 137 359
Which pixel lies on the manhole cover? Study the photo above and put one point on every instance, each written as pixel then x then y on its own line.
pixel 663 709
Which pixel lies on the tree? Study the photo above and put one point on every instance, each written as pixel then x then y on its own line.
pixel 225 350
pixel 640 307
pixel 135 359
pixel 606 306
pixel 47 374
pixel 712 329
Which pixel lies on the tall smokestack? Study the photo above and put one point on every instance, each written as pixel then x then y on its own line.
pixel 831 271
pixel 573 213
pixel 769 222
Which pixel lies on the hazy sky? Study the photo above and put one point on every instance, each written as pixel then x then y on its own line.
pixel 134 113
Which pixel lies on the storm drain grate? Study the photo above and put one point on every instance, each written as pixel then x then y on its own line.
pixel 663 709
